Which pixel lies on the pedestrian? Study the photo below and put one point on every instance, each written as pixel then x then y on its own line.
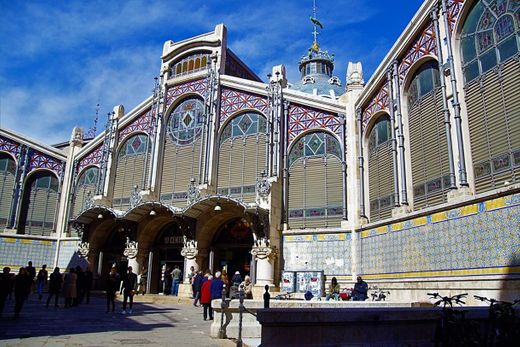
pixel 225 279
pixel 80 284
pixel 22 287
pixel 55 284
pixel 32 274
pixel 129 288
pixel 70 290
pixel 41 281
pixel 88 277
pixel 111 289
pixel 167 281
pixel 197 285
pixel 235 282
pixel 176 278
pixel 142 281
pixel 6 286
pixel 191 277
pixel 216 286
pixel 360 290
pixel 205 298
pixel 248 287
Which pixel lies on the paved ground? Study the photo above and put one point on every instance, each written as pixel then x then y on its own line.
pixel 153 323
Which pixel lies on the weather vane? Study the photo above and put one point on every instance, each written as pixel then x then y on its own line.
pixel 316 23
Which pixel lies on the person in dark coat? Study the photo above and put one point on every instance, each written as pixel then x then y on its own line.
pixel 197 286
pixel 112 287
pixel 88 278
pixel 55 283
pixel 41 281
pixel 205 298
pixel 22 286
pixel 360 290
pixel 80 284
pixel 168 279
pixel 129 289
pixel 216 287
pixel 6 286
pixel 31 270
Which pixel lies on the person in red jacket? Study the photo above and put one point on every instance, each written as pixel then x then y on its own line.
pixel 205 298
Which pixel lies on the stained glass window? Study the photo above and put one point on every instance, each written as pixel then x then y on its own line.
pixel 425 79
pixel 192 63
pixel 489 36
pixel 186 121
pixel 89 177
pixel 380 133
pixel 134 146
pixel 317 144
pixel 244 125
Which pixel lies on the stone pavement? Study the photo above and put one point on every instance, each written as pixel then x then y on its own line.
pixel 153 323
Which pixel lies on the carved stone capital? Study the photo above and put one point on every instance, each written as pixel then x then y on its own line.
pixel 262 250
pixel 83 249
pixel 189 250
pixel 131 249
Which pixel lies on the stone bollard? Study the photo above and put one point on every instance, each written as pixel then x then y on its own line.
pixel 267 296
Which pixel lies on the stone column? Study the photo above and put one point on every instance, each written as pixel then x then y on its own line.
pixel 265 256
pixel 189 251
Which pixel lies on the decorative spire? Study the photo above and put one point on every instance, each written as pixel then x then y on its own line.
pixel 92 131
pixel 316 23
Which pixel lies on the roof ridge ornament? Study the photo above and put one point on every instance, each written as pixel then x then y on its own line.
pixel 316 23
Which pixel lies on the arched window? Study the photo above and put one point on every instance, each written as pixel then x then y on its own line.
pixel 242 155
pixel 39 204
pixel 428 141
pixel 130 172
pixel 192 63
pixel 380 170
pixel 490 38
pixel 490 35
pixel 181 159
pixel 7 180
pixel 85 188
pixel 315 181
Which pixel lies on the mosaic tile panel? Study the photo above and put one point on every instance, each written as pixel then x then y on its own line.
pixel 93 158
pixel 423 45
pixel 454 7
pixel 39 160
pixel 327 252
pixel 9 146
pixel 380 102
pixel 141 123
pixel 232 101
pixel 16 252
pixel 197 87
pixel 465 240
pixel 303 118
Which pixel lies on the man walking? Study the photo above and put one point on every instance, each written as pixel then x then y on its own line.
pixel 6 286
pixel 176 275
pixel 41 281
pixel 55 286
pixel 129 288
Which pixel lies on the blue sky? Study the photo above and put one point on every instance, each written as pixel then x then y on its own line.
pixel 59 58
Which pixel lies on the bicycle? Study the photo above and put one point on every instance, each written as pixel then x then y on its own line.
pixel 453 329
pixel 503 327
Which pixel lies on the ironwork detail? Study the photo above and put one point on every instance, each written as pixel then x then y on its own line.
pixel 83 249
pixel 131 249
pixel 381 102
pixel 189 249
pixel 193 192
pixel 423 45
pixel 263 186
pixel 135 197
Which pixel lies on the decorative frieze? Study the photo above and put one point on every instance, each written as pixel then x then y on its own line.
pixel 303 118
pixel 233 101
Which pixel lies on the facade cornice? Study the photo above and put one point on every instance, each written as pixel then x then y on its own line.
pixel 406 38
pixel 44 148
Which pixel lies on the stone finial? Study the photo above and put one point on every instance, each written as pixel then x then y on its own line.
pixel 119 111
pixel 355 74
pixel 76 139
pixel 279 75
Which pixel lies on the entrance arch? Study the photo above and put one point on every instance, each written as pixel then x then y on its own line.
pixel 230 249
pixel 167 253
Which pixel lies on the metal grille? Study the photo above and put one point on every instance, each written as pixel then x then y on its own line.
pixel 493 103
pixel 380 181
pixel 39 206
pixel 428 150
pixel 7 180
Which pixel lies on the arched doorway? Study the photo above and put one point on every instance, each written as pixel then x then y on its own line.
pixel 112 252
pixel 167 253
pixel 231 247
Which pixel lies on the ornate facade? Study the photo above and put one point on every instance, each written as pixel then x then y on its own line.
pixel 411 180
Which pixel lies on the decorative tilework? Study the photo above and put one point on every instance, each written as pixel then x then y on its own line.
pixel 17 252
pixel 303 118
pixel 464 241
pixel 327 252
pixel 93 158
pixel 379 102
pixel 197 87
pixel 232 101
pixel 9 146
pixel 39 160
pixel 423 45
pixel 141 123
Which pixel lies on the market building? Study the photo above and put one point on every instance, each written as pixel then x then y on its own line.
pixel 410 179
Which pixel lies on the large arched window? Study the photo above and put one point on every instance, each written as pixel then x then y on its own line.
pixel 380 170
pixel 85 188
pixel 39 204
pixel 182 150
pixel 242 155
pixel 7 180
pixel 428 141
pixel 131 161
pixel 315 182
pixel 489 36
pixel 490 39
